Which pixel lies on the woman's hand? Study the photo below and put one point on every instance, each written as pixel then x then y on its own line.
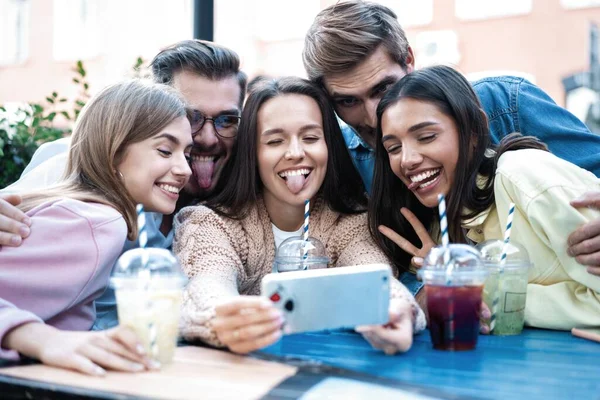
pixel 87 352
pixel 485 317
pixel 395 336
pixel 426 241
pixel 247 323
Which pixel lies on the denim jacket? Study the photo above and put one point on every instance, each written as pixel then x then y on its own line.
pixel 512 105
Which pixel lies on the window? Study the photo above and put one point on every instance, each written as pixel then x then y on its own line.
pixel 14 31
pixel 410 12
pixel 572 4
pixel 484 9
pixel 436 47
pixel 75 29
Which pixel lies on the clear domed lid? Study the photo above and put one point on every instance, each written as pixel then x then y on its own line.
pixel 457 264
pixel 491 252
pixel 143 266
pixel 294 248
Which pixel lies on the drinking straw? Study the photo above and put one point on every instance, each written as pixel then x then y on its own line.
pixel 145 276
pixel 142 232
pixel 305 230
pixel 496 302
pixel 445 238
pixel 447 262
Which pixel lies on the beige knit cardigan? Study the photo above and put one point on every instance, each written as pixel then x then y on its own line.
pixel 224 257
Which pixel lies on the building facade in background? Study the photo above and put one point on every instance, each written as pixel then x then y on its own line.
pixel 542 40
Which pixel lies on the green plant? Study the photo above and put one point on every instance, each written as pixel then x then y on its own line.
pixel 24 129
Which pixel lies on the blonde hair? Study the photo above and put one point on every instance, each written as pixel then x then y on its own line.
pixel 346 33
pixel 120 115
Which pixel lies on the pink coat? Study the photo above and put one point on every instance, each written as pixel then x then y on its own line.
pixel 61 268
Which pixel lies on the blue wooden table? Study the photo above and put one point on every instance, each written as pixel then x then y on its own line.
pixel 538 364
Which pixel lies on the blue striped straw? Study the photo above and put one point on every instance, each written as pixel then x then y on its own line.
pixel 448 264
pixel 443 220
pixel 496 302
pixel 145 274
pixel 142 230
pixel 445 238
pixel 305 230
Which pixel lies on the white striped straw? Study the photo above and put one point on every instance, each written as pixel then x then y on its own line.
pixel 305 230
pixel 142 230
pixel 447 262
pixel 146 275
pixel 496 302
pixel 509 221
pixel 443 220
pixel 445 238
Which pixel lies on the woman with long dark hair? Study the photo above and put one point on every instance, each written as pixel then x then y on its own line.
pixel 289 149
pixel 433 138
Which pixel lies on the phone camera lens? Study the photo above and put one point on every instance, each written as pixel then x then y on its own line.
pixel 289 305
pixel 385 278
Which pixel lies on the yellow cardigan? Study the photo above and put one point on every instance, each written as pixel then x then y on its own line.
pixel 561 294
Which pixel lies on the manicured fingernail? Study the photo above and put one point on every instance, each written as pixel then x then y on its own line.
pixel 418 260
pixel 135 367
pixel 26 221
pixel 570 252
pixel 140 349
pixel 153 364
pixel 486 314
pixel 99 371
pixel 24 231
pixel 15 240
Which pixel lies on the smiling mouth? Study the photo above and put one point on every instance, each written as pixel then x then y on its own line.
pixel 295 179
pixel 424 179
pixel 169 188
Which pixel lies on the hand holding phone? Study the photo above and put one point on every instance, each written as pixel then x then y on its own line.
pixel 332 298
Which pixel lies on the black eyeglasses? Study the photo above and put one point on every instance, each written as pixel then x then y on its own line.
pixel 225 125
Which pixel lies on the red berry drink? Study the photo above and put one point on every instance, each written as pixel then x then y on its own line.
pixel 454 316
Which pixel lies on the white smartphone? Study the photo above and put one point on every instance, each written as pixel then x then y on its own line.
pixel 331 298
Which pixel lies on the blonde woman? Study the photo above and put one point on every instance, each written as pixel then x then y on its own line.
pixel 129 146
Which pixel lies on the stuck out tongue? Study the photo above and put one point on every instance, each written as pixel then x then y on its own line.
pixel 203 171
pixel 295 183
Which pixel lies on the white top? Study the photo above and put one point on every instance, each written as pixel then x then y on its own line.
pixel 280 235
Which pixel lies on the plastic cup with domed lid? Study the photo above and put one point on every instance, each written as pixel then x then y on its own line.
pixel 453 278
pixel 148 285
pixel 505 290
pixel 297 254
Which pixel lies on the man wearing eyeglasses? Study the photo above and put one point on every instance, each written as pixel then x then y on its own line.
pixel 208 77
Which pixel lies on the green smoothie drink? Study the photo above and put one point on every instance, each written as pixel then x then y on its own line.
pixel 505 289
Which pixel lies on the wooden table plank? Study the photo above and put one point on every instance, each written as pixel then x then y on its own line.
pixel 538 364
pixel 196 372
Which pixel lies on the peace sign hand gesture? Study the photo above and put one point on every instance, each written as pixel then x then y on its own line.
pixel 426 242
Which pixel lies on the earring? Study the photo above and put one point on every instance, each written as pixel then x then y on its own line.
pixel 119 173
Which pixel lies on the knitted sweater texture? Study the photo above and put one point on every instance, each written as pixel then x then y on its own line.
pixel 224 257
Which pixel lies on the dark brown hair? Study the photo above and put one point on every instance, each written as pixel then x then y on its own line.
pixel 342 189
pixel 346 33
pixel 201 57
pixel 452 94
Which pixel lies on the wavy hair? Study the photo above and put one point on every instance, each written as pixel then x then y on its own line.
pixel 452 94
pixel 119 116
pixel 342 188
